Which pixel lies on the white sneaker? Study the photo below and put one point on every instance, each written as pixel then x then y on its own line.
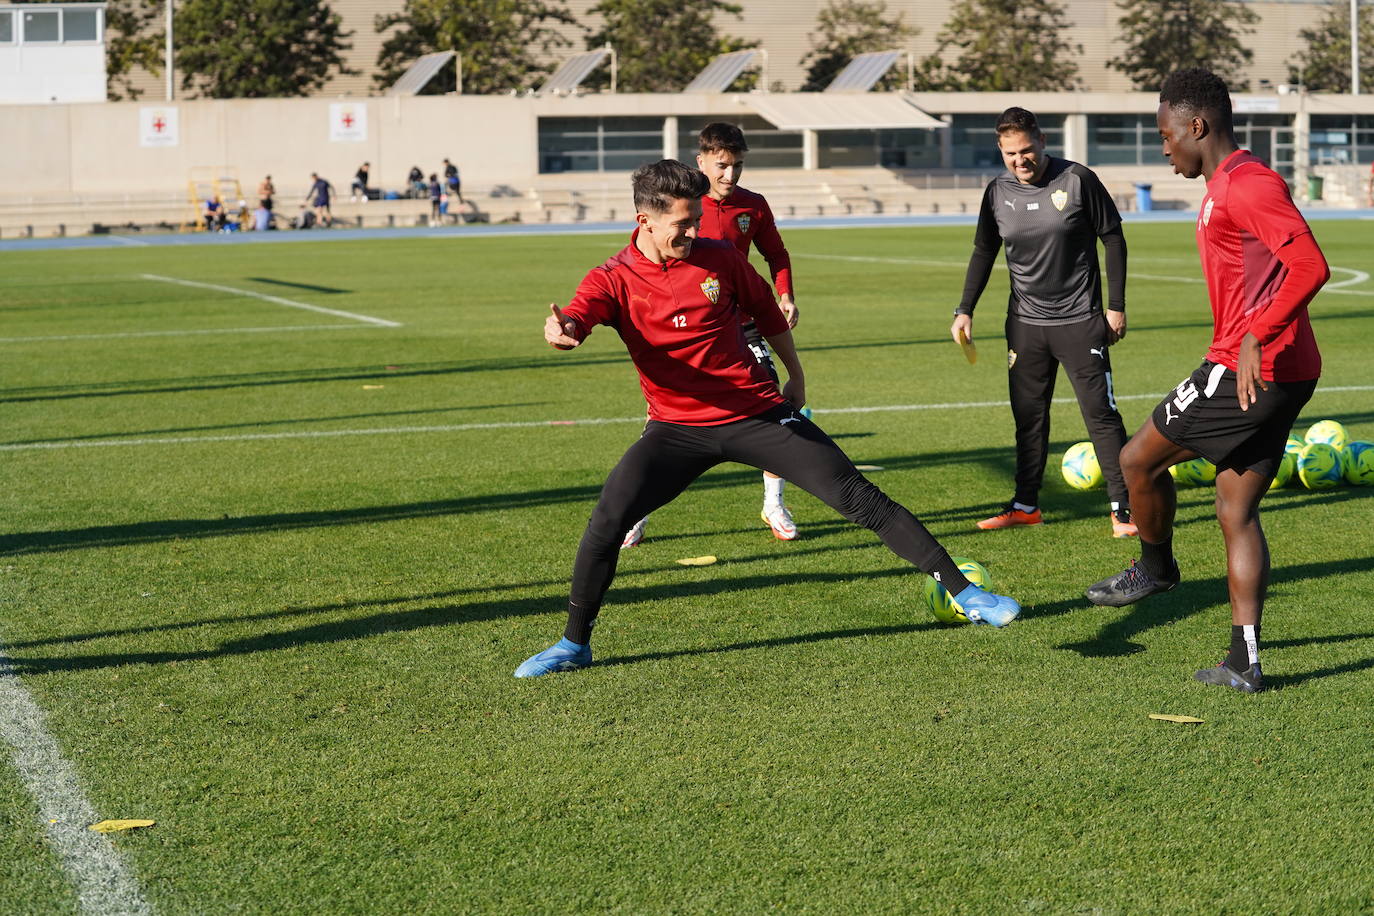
pixel 635 534
pixel 780 520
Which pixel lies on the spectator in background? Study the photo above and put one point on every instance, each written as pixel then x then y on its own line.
pixel 266 191
pixel 360 183
pixel 436 193
pixel 415 181
pixel 214 213
pixel 318 199
pixel 453 181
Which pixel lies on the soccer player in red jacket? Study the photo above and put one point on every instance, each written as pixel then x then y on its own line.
pixel 677 302
pixel 1262 268
pixel 742 218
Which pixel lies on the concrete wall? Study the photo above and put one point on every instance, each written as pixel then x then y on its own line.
pixel 97 148
pixel 45 73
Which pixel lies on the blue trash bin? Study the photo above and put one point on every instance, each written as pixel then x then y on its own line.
pixel 1143 202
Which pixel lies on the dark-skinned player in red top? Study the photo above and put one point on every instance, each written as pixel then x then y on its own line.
pixel 677 302
pixel 742 218
pixel 1262 268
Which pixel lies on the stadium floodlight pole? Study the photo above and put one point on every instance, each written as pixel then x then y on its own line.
pixel 171 92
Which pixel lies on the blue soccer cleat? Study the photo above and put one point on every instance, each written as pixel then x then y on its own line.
pixel 564 655
pixel 986 608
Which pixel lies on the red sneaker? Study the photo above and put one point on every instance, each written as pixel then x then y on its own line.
pixel 1010 517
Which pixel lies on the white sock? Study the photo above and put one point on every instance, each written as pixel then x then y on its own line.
pixel 1023 507
pixel 772 491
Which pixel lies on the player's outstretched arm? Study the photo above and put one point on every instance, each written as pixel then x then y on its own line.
pixel 784 349
pixel 559 329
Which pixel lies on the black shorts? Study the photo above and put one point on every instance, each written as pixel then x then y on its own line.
pixel 759 347
pixel 1203 415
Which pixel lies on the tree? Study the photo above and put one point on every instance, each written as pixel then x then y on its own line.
pixel 661 44
pixel 503 42
pixel 1003 46
pixel 258 48
pixel 1324 65
pixel 129 43
pixel 846 29
pixel 1162 36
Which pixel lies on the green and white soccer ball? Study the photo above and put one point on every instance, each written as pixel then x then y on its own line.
pixel 1329 432
pixel 1080 468
pixel 941 603
pixel 1197 472
pixel 1358 461
pixel 1320 466
pixel 1284 474
pixel 1294 445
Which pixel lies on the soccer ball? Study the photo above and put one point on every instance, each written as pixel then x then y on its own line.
pixel 1080 468
pixel 1330 432
pixel 1198 472
pixel 1287 466
pixel 1319 466
pixel 1359 463
pixel 1293 446
pixel 941 603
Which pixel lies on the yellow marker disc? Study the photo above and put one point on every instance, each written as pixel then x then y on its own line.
pixel 1165 717
pixel 970 351
pixel 117 825
pixel 697 561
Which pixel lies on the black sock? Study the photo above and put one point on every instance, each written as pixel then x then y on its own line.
pixel 1238 658
pixel 580 623
pixel 1158 559
pixel 948 574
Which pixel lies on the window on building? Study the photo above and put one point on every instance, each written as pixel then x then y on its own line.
pixel 598 144
pixel 1122 139
pixel 1268 136
pixel 42 26
pixel 6 27
pixel 893 149
pixel 974 139
pixel 1341 139
pixel 769 148
pixel 80 25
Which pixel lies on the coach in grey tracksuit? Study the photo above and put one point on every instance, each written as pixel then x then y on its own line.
pixel 1048 214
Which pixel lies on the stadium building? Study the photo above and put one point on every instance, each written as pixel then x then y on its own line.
pixel 562 153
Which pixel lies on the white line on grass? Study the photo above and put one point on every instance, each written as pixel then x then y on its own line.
pixel 535 424
pixel 290 303
pixel 296 327
pixel 1357 276
pixel 104 885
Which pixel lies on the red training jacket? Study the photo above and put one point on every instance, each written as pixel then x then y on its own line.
pixel 681 321
pixel 745 218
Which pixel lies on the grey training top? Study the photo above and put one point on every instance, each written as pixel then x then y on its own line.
pixel 1050 231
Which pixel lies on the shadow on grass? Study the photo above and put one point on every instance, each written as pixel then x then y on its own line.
pixel 310 286
pixel 1118 637
pixel 151 532
pixel 262 424
pixel 435 615
pixel 295 377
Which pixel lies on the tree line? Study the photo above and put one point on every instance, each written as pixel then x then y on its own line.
pixel 269 48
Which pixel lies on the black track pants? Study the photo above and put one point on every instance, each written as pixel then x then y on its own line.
pixel 1035 353
pixel 668 457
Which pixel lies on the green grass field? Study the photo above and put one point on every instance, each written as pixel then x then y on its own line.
pixel 268 572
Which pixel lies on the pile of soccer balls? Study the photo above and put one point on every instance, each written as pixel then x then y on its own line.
pixel 1324 458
